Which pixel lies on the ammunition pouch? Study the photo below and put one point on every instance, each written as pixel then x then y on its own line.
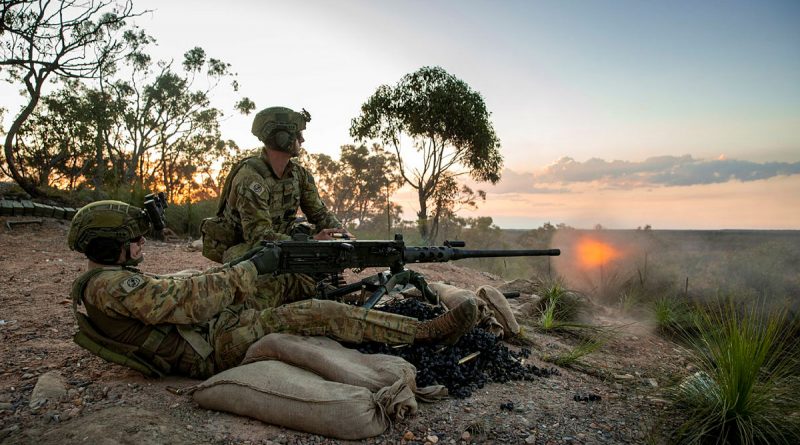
pixel 219 235
pixel 154 351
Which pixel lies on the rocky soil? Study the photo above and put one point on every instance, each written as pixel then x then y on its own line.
pixel 54 392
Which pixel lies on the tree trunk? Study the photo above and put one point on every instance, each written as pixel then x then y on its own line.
pixel 8 147
pixel 422 217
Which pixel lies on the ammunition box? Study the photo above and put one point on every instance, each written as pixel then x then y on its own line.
pixel 6 208
pixel 17 209
pixel 28 208
pixel 44 210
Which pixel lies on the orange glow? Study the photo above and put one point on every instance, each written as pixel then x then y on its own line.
pixel 593 253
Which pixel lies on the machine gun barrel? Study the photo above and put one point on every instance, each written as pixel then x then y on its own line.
pixel 436 254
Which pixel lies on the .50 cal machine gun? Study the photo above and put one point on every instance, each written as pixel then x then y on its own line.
pixel 331 258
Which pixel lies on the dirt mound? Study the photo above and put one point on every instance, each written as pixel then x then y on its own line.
pixel 106 403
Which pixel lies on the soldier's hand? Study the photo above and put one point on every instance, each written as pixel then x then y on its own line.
pixel 267 260
pixel 247 255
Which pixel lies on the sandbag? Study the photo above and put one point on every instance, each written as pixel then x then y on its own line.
pixel 452 296
pixel 501 309
pixel 284 395
pixel 332 361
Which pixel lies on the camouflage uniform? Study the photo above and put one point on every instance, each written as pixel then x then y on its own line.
pixel 205 326
pixel 265 206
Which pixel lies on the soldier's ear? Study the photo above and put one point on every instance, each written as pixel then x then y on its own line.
pixel 282 139
pixel 104 251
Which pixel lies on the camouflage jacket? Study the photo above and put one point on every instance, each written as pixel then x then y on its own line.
pixel 181 299
pixel 266 206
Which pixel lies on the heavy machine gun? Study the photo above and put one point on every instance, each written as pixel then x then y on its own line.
pixel 331 258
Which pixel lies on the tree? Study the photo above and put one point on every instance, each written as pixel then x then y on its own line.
pixel 448 125
pixel 447 200
pixel 357 187
pixel 171 130
pixel 66 39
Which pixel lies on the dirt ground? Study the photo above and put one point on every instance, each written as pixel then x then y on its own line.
pixel 107 404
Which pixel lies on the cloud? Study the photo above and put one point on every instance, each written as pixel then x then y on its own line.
pixel 515 182
pixel 662 170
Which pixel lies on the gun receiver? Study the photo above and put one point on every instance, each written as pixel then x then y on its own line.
pixel 333 257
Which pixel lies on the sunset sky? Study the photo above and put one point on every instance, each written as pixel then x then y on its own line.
pixel 678 114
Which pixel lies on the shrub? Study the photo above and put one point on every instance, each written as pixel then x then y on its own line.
pixel 745 391
pixel 558 304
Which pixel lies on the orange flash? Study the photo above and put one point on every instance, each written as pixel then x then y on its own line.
pixel 594 253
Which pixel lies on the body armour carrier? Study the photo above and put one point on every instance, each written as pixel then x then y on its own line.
pixel 151 350
pixel 220 233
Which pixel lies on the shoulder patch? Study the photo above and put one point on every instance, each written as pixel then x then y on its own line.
pixel 132 282
pixel 257 188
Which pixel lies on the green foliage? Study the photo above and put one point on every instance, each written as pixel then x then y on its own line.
pixel 67 40
pixel 358 187
pixel 573 356
pixel 185 218
pixel 673 316
pixel 447 123
pixel 745 391
pixel 558 307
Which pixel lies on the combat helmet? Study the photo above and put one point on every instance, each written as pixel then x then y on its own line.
pixel 102 228
pixel 279 126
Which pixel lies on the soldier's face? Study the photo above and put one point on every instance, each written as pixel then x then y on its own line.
pixel 298 142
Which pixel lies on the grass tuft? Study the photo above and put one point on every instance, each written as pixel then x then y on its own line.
pixel 745 391
pixel 558 306
pixel 573 356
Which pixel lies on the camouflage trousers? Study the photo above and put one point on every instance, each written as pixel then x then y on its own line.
pixel 238 327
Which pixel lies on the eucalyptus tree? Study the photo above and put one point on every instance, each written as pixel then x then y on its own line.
pixel 170 126
pixel 358 186
pixel 67 39
pixel 441 118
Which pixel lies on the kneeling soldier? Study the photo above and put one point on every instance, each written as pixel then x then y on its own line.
pixel 196 324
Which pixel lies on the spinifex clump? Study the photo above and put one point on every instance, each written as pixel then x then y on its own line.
pixel 745 391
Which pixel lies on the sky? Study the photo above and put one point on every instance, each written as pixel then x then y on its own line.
pixel 680 114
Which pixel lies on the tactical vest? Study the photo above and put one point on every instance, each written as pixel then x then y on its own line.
pixel 151 350
pixel 221 233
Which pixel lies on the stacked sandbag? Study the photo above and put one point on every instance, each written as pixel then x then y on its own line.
pixel 334 362
pixel 316 385
pixel 281 394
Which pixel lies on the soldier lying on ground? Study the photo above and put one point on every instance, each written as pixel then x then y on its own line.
pixel 197 324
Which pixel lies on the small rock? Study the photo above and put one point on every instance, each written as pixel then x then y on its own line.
pixel 466 436
pixel 408 435
pixel 432 439
pixel 652 382
pixel 467 409
pixel 189 427
pixel 50 386
pixel 27 375
pixel 531 439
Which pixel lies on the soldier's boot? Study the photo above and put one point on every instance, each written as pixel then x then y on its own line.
pixel 450 326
